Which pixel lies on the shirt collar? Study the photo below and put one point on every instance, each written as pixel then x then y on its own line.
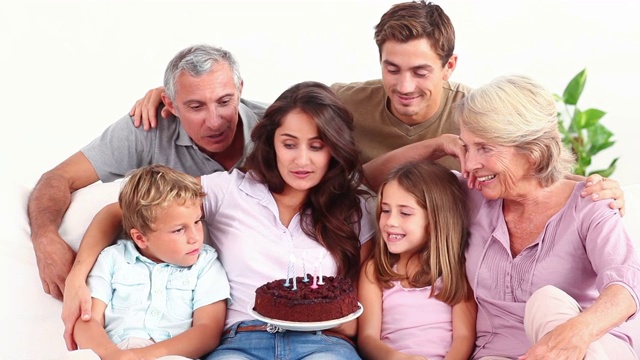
pixel 131 253
pixel 183 138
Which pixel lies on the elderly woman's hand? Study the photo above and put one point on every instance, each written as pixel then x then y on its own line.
pixel 599 187
pixel 452 145
pixel 565 342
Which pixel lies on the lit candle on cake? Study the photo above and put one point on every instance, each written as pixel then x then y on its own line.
pixel 293 273
pixel 290 271
pixel 320 280
pixel 304 269
pixel 315 278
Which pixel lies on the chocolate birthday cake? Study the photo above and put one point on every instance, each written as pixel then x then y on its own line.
pixel 334 299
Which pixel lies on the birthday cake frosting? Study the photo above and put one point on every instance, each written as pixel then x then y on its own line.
pixel 306 301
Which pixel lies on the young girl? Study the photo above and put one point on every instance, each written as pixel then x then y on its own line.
pixel 417 303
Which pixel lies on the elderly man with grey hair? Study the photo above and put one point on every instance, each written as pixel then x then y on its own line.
pixel 211 132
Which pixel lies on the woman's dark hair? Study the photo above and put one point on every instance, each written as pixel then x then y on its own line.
pixel 332 213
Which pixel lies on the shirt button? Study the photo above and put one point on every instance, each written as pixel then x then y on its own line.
pixel 155 313
pixel 158 291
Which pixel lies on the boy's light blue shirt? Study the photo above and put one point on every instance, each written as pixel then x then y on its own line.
pixel 149 300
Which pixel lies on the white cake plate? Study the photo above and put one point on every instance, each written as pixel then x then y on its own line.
pixel 306 326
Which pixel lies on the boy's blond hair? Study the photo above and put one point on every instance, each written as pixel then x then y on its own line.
pixel 149 190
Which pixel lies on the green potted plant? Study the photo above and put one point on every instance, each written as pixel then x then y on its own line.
pixel 582 130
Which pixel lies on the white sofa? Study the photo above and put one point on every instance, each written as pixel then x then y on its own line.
pixel 31 319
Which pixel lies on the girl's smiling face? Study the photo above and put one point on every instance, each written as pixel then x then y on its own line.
pixel 403 223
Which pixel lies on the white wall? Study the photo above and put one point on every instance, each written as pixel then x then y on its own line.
pixel 70 68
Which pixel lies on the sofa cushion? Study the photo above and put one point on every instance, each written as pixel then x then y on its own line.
pixel 36 315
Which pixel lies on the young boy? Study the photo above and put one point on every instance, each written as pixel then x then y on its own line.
pixel 163 292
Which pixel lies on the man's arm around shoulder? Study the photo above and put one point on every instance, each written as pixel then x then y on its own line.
pixel 47 205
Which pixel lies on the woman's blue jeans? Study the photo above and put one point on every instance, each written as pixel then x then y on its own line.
pixel 287 345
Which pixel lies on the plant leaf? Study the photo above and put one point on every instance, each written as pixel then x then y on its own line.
pixel 600 139
pixel 574 89
pixel 577 121
pixel 608 171
pixel 596 149
pixel 579 170
pixel 581 131
pixel 591 117
pixel 563 131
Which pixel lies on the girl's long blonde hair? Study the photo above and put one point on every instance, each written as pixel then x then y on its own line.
pixel 437 191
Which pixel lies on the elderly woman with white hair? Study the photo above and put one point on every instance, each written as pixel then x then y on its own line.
pixel 539 255
pixel 554 274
